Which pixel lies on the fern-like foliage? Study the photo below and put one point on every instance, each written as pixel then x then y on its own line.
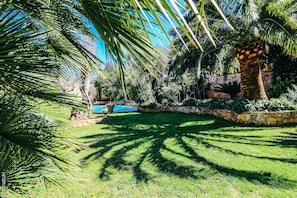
pixel 232 88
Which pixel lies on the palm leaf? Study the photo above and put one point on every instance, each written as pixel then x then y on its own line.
pixel 32 147
pixel 26 65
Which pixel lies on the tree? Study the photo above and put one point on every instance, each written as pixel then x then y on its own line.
pixel 265 24
pixel 99 86
pixel 257 24
pixel 204 64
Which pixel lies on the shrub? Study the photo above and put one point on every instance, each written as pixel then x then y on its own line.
pixel 240 105
pixel 150 105
pixel 291 96
pixel 283 65
pixel 279 87
pixel 237 104
pixel 165 102
pixel 189 102
pixel 272 105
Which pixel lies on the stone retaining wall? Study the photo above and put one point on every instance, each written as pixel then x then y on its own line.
pixel 255 118
pixel 266 76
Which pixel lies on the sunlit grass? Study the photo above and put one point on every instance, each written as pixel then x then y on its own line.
pixel 178 155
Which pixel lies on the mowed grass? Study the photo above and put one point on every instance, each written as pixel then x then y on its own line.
pixel 178 155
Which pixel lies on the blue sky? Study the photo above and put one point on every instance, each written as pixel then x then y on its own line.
pixel 157 42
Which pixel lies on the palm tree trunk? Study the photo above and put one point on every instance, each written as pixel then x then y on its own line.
pixel 248 56
pixel 251 79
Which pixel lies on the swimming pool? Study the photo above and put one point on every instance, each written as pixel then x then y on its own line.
pixel 117 108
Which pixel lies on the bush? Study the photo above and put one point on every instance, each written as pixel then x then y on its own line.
pixel 237 104
pixel 240 105
pixel 189 102
pixel 272 105
pixel 165 102
pixel 283 65
pixel 291 96
pixel 279 87
pixel 150 105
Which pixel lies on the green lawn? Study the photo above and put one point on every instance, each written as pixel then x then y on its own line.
pixel 177 155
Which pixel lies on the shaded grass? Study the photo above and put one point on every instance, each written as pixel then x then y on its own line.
pixel 178 155
pixel 55 111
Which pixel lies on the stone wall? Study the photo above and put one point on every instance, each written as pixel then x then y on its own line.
pixel 266 76
pixel 254 118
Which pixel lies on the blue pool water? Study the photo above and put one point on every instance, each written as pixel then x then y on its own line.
pixel 117 108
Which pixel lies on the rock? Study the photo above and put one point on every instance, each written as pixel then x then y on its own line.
pixel 217 94
pixel 244 117
pixel 271 121
pixel 227 116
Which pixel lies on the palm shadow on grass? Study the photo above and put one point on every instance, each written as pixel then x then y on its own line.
pixel 129 132
pixel 288 140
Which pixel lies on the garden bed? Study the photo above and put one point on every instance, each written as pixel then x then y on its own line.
pixel 254 118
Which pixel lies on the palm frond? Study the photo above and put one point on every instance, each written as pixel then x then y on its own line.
pixel 26 61
pixel 66 29
pixel 280 25
pixel 32 146
pixel 276 33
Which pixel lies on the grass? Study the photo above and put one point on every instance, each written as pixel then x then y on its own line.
pixel 178 155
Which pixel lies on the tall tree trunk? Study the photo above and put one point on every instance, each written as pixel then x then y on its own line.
pixel 99 94
pixel 251 80
pixel 248 56
pixel 78 114
pixel 84 87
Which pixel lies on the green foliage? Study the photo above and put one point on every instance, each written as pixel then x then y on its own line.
pixel 142 91
pixel 225 63
pixel 237 104
pixel 150 105
pixel 31 146
pixel 282 65
pixel 291 96
pixel 190 102
pixel 178 87
pixel 165 102
pixel 171 91
pixel 271 105
pixel 232 88
pixel 240 105
pixel 279 87
pixel 272 22
pixel 109 87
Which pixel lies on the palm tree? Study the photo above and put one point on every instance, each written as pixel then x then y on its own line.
pixel 266 24
pixel 257 24
pixel 30 143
